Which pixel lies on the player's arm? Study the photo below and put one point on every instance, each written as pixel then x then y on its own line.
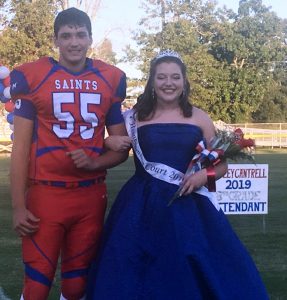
pixel 112 158
pixel 106 160
pixel 24 222
pixel 117 143
pixel 115 126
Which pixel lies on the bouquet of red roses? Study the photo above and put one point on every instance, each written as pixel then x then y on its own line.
pixel 225 145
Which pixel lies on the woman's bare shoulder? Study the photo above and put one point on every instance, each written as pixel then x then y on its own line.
pixel 200 114
pixel 203 120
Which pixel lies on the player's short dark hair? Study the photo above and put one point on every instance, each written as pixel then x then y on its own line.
pixel 72 16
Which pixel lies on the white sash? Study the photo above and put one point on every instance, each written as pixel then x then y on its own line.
pixel 159 170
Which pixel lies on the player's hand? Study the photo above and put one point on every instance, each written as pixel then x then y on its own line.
pixel 193 182
pixel 118 143
pixel 81 159
pixel 24 222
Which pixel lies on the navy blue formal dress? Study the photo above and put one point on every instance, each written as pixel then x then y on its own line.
pixel 186 251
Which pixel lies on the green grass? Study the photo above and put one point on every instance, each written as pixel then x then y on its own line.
pixel 264 236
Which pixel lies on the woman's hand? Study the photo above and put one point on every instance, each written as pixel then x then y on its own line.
pixel 118 143
pixel 193 182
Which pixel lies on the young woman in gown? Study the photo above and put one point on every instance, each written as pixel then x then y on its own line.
pixel 186 250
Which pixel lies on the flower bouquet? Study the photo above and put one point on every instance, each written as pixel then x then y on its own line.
pixel 225 145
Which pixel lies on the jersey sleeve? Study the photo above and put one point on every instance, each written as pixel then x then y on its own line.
pixel 122 88
pixel 19 84
pixel 25 109
pixel 20 95
pixel 114 115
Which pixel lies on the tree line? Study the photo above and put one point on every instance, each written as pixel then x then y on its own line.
pixel 236 61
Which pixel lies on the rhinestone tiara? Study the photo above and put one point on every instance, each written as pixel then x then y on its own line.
pixel 168 53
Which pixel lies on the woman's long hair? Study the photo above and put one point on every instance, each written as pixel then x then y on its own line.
pixel 146 102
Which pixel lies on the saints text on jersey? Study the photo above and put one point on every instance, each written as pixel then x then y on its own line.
pixel 77 84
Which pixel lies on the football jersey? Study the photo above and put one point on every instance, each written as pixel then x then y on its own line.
pixel 69 110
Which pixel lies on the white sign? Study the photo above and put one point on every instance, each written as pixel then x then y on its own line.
pixel 244 189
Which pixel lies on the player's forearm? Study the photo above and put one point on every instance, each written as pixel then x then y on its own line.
pixel 109 159
pixel 18 180
pixel 23 129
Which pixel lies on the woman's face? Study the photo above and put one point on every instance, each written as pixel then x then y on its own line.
pixel 168 82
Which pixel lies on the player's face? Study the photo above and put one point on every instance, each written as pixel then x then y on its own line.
pixel 168 82
pixel 73 43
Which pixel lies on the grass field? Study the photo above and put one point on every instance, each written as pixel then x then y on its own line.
pixel 265 237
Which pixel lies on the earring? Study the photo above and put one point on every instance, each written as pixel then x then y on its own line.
pixel 152 93
pixel 183 93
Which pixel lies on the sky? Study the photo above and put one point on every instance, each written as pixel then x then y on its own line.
pixel 116 19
